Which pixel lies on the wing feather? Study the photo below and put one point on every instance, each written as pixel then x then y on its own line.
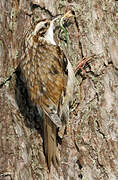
pixel 46 78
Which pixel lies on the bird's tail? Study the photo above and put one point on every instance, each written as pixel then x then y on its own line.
pixel 50 144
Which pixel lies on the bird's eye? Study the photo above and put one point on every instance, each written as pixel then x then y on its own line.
pixel 46 24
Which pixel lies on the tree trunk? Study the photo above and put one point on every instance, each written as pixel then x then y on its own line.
pixel 90 148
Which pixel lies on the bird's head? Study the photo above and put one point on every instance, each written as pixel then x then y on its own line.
pixel 44 29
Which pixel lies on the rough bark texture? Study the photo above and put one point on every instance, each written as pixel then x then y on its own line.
pixel 90 150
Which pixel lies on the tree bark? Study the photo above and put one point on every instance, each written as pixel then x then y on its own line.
pixel 90 148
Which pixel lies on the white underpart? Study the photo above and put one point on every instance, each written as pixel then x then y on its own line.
pixel 70 82
pixel 49 36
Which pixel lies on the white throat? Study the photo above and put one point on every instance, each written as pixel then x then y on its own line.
pixel 49 36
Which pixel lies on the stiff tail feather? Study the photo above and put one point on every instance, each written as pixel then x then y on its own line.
pixel 50 144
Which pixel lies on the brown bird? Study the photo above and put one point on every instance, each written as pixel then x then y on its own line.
pixel 49 77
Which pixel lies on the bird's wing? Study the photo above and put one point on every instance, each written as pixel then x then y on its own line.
pixel 46 76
